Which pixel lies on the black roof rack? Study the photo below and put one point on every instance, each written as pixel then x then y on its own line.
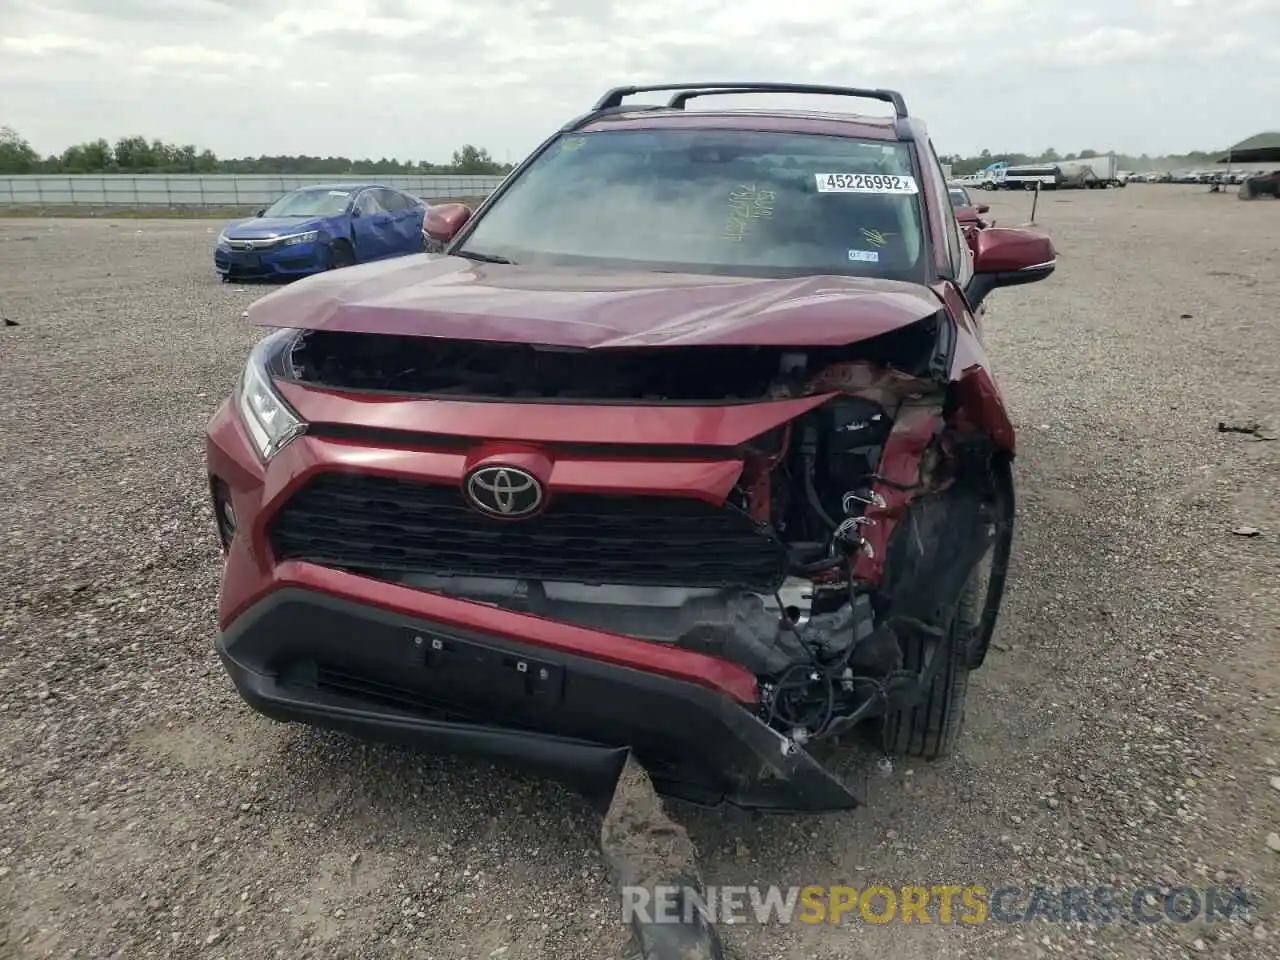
pixel 687 91
pixel 678 100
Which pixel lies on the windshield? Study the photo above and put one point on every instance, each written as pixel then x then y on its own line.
pixel 712 201
pixel 310 203
pixel 959 197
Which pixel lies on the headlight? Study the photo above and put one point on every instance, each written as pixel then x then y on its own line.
pixel 268 419
pixel 222 240
pixel 308 237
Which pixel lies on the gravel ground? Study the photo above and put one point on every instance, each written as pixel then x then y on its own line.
pixel 1125 730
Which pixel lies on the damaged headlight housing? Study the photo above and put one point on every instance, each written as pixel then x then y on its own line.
pixel 269 421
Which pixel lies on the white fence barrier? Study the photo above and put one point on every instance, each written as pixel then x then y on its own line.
pixel 211 190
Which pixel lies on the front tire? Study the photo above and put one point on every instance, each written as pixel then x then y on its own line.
pixel 930 729
pixel 341 255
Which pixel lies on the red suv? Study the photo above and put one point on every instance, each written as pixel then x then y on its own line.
pixel 685 444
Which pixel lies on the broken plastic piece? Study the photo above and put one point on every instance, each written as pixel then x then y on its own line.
pixel 645 849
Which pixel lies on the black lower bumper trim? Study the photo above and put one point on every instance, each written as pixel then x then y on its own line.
pixel 566 716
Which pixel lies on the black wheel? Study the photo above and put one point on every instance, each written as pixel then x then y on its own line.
pixel 341 255
pixel 930 729
pixel 993 570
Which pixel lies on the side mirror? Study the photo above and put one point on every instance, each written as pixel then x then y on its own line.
pixel 355 211
pixel 984 208
pixel 443 222
pixel 260 211
pixel 1008 257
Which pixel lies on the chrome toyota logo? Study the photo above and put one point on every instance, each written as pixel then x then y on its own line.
pixel 504 491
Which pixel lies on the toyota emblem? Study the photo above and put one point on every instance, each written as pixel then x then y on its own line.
pixel 504 491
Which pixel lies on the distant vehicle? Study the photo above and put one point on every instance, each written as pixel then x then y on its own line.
pixel 1094 173
pixel 321 228
pixel 1261 185
pixel 968 213
pixel 992 177
pixel 1048 175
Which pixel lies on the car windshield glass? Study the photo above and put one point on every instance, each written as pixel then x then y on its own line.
pixel 713 201
pixel 310 203
pixel 959 197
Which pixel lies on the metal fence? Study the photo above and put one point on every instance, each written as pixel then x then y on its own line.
pixel 212 190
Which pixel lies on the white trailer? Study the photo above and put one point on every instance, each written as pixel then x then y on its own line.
pixel 1025 177
pixel 1091 172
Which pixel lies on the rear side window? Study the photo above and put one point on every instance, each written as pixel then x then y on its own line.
pixel 393 201
pixel 368 203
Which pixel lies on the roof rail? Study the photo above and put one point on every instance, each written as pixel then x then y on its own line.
pixel 613 98
pixel 678 100
pixel 579 122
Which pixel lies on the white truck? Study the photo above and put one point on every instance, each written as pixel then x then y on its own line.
pixel 1091 172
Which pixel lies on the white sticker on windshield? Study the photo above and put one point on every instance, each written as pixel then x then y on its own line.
pixel 865 256
pixel 865 183
pixel 339 193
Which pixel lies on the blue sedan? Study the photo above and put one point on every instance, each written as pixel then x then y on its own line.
pixel 321 228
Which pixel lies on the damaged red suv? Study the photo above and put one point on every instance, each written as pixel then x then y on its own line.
pixel 685 444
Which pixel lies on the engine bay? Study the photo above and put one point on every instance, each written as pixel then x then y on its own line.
pixel 469 369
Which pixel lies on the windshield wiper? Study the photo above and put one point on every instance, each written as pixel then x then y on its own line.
pixel 481 257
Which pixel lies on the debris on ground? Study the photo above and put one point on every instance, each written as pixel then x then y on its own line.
pixel 1247 532
pixel 644 848
pixel 1248 427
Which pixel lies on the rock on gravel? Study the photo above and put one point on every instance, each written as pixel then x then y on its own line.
pixel 1120 733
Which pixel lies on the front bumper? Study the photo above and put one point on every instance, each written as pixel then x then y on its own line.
pixel 308 643
pixel 295 260
pixel 302 655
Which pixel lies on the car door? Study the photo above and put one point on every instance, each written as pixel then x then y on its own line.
pixel 407 235
pixel 372 228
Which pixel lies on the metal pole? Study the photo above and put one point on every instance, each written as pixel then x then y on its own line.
pixel 1035 201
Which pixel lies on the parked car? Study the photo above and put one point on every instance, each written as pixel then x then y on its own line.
pixel 659 455
pixel 1261 185
pixel 321 228
pixel 967 212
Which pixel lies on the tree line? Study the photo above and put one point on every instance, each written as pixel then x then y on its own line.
pixel 140 155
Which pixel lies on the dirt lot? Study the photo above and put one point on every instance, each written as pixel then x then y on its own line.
pixel 1125 731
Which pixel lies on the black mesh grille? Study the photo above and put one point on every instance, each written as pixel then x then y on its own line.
pixel 372 523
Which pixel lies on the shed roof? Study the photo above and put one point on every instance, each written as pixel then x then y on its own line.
pixel 1260 148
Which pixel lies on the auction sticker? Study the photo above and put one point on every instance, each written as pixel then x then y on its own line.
pixel 865 183
pixel 864 256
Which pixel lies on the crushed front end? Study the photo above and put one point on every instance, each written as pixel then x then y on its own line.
pixel 714 556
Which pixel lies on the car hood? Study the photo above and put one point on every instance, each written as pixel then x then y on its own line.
pixel 454 298
pixel 260 228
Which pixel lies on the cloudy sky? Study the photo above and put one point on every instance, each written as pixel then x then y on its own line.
pixel 413 79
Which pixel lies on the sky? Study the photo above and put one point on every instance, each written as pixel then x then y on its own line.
pixel 415 79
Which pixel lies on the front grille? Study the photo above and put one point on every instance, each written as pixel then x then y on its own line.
pixel 373 524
